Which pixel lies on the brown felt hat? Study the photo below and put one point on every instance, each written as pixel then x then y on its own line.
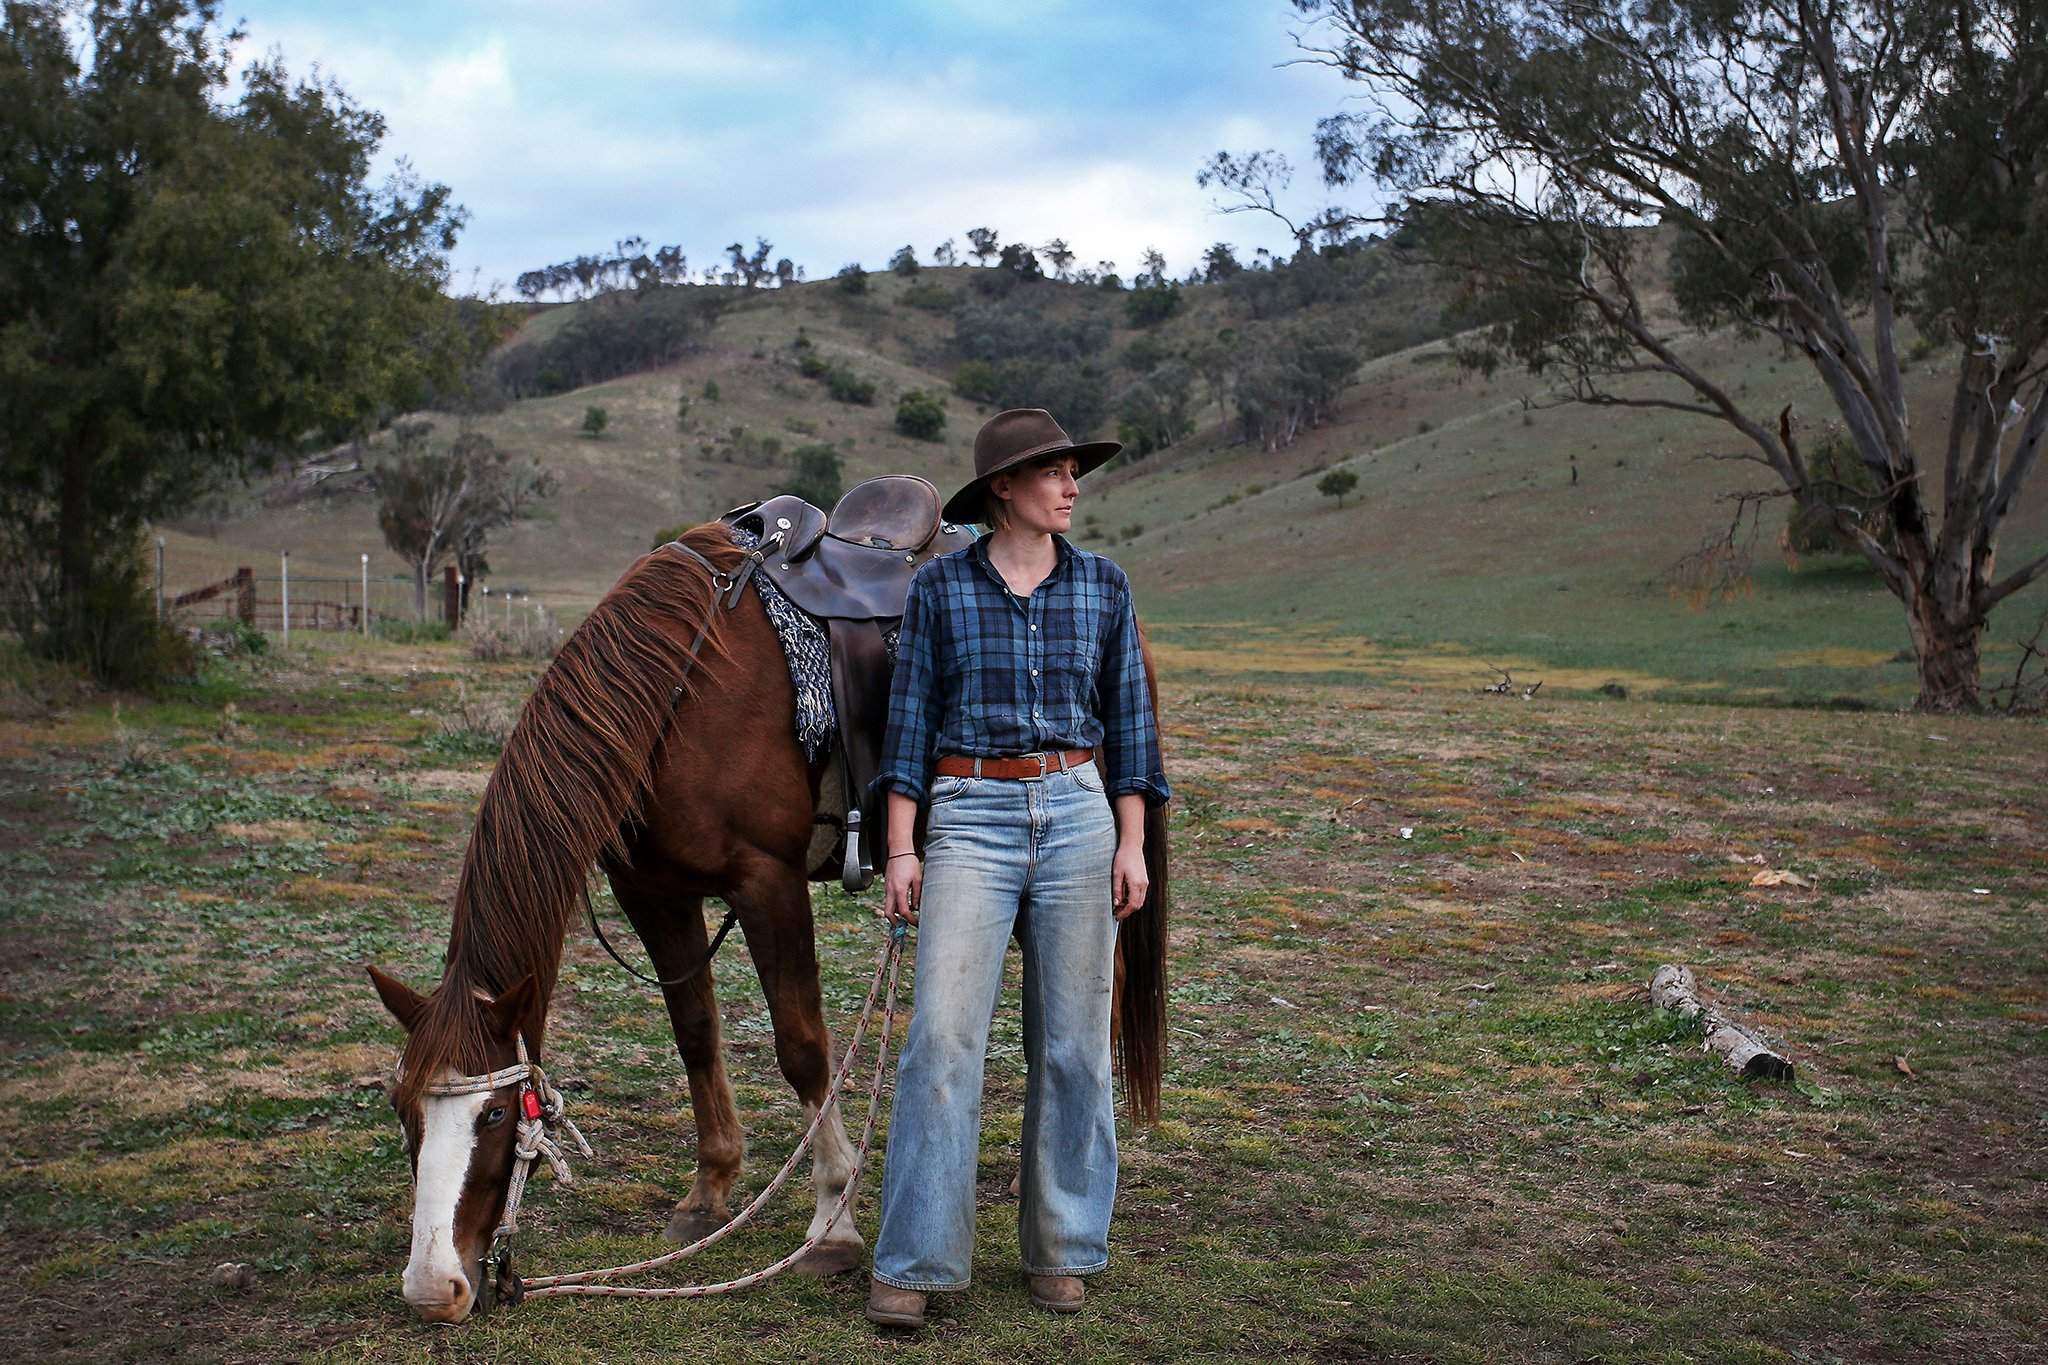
pixel 1010 438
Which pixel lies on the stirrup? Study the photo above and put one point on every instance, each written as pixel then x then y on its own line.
pixel 854 874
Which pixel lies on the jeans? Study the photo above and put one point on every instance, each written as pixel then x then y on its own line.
pixel 1033 855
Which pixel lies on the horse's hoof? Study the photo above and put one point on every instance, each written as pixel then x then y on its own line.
pixel 832 1258
pixel 691 1225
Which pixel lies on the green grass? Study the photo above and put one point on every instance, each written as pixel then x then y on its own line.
pixel 1416 1106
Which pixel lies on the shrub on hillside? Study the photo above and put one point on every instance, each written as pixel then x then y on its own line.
pixel 921 415
pixel 811 365
pixel 1076 395
pixel 609 336
pixel 816 474
pixel 976 379
pixel 1157 410
pixel 848 387
pixel 996 334
pixel 1836 472
pixel 1336 484
pixel 851 279
pixel 904 262
pixel 595 420
pixel 932 297
pixel 1153 304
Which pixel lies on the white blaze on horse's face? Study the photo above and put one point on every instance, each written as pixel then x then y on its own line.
pixel 440 1281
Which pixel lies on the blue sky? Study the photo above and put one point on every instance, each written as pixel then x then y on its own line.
pixel 838 131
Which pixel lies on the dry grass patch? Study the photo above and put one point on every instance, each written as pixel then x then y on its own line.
pixel 269 831
pixel 468 781
pixel 320 888
pixel 186 1169
pixel 355 754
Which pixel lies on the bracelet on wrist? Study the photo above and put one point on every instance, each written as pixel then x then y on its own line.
pixel 894 856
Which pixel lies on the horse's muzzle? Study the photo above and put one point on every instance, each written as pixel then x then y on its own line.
pixel 445 1299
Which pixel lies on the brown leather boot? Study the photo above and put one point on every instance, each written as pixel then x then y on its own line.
pixel 1058 1293
pixel 889 1306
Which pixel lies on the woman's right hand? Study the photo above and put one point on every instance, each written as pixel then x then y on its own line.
pixel 903 886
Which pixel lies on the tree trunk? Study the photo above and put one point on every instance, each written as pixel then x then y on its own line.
pixel 74 538
pixel 1948 645
pixel 419 590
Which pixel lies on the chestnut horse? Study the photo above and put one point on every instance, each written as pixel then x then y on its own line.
pixel 680 781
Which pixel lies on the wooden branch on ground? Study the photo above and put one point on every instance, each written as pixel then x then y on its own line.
pixel 1507 685
pixel 1672 987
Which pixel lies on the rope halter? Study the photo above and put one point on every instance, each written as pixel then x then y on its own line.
pixel 539 1105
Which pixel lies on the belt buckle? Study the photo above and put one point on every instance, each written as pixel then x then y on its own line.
pixel 1040 756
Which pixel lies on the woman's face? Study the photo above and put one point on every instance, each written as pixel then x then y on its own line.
pixel 1041 495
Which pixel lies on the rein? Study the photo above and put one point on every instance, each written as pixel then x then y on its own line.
pixel 731 917
pixel 541 1104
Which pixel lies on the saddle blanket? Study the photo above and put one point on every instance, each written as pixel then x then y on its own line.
pixel 809 656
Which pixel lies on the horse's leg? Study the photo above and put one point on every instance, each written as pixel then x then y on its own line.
pixel 775 912
pixel 671 924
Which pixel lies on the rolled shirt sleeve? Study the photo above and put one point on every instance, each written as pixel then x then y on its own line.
pixel 1130 732
pixel 913 696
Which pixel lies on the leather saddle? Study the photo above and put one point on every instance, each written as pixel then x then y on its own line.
pixel 851 569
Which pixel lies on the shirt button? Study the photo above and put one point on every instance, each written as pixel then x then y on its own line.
pixel 1034 625
pixel 1034 672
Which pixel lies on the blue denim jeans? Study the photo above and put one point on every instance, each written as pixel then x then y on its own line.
pixel 1033 856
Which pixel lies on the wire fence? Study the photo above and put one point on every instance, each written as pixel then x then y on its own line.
pixel 285 601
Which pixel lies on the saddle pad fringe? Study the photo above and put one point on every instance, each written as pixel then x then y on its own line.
pixel 809 656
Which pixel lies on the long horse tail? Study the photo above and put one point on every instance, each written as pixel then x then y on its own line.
pixel 1141 946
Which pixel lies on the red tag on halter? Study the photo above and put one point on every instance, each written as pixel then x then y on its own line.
pixel 529 1104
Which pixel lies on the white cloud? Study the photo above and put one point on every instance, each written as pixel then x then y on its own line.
pixel 561 138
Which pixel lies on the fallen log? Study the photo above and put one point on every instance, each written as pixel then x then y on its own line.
pixel 1672 987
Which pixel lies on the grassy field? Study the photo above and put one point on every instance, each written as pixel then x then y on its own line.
pixel 1417 1107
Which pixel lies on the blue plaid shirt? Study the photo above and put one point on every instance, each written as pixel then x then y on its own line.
pixel 983 672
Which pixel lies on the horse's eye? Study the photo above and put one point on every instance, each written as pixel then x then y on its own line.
pixel 495 1117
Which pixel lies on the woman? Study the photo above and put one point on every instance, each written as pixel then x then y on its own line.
pixel 1019 714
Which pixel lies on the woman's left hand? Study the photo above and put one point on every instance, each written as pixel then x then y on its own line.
pixel 1129 878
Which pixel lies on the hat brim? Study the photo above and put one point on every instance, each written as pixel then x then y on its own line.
pixel 965 506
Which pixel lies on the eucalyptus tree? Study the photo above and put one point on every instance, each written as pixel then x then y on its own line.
pixel 192 279
pixel 1841 175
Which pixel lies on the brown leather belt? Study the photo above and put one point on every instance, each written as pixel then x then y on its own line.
pixel 1028 765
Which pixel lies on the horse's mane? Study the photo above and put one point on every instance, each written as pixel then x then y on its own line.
pixel 571 779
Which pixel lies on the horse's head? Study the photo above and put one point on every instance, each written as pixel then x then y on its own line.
pixel 460 1144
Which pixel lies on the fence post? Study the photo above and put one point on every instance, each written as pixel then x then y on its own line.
pixel 451 598
pixel 245 595
pixel 159 579
pixel 366 594
pixel 284 593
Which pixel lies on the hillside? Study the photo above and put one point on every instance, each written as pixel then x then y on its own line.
pixel 1466 544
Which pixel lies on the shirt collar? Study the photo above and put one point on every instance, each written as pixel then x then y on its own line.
pixel 1062 551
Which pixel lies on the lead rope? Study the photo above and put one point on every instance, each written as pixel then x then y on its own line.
pixel 581 1282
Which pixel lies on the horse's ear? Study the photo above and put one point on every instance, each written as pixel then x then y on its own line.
pixel 508 1012
pixel 403 1001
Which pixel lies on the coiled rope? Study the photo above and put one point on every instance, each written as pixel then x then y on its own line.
pixel 889 964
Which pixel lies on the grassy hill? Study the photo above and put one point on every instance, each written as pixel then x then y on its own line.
pixel 1467 543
